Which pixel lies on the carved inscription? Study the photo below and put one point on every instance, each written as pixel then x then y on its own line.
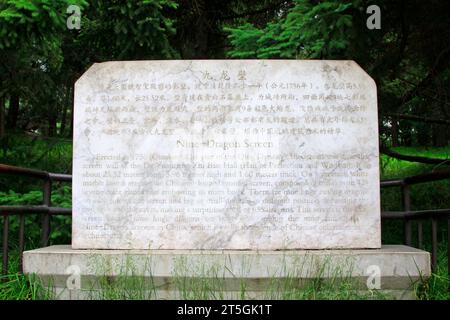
pixel 245 154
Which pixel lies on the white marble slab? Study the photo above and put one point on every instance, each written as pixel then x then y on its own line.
pixel 226 154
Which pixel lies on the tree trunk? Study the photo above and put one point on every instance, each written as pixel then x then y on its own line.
pixel 440 138
pixel 13 112
pixel 51 125
pixel 394 131
pixel 423 135
pixel 64 111
pixel 2 117
pixel 407 137
pixel 440 131
pixel 418 118
pixel 201 35
pixel 63 120
pixel 72 111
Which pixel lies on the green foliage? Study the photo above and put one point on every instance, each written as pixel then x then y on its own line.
pixel 25 21
pixel 30 31
pixel 31 56
pixel 409 64
pixel 60 225
pixel 13 198
pixel 51 154
pixel 54 155
pixel 138 29
pixel 244 40
pixel 309 30
pixel 40 58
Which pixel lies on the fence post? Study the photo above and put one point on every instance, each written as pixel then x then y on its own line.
pixel 433 244
pixel 5 244
pixel 406 202
pixel 420 234
pixel 46 217
pixel 21 240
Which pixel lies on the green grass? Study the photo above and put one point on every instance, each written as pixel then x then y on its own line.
pixel 17 286
pixel 212 282
pixel 326 283
pixel 436 287
pixel 431 152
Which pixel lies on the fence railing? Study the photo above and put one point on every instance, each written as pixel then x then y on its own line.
pixel 46 210
pixel 419 216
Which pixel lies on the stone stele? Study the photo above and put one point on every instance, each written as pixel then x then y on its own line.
pixel 226 154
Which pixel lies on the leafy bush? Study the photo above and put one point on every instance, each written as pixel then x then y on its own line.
pixel 60 225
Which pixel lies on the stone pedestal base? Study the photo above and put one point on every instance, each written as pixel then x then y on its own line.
pixel 391 272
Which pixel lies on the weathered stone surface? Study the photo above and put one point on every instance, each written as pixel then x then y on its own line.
pixel 237 154
pixel 169 274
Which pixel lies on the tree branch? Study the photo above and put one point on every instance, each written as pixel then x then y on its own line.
pixel 418 118
pixel 439 66
pixel 419 159
pixel 272 6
